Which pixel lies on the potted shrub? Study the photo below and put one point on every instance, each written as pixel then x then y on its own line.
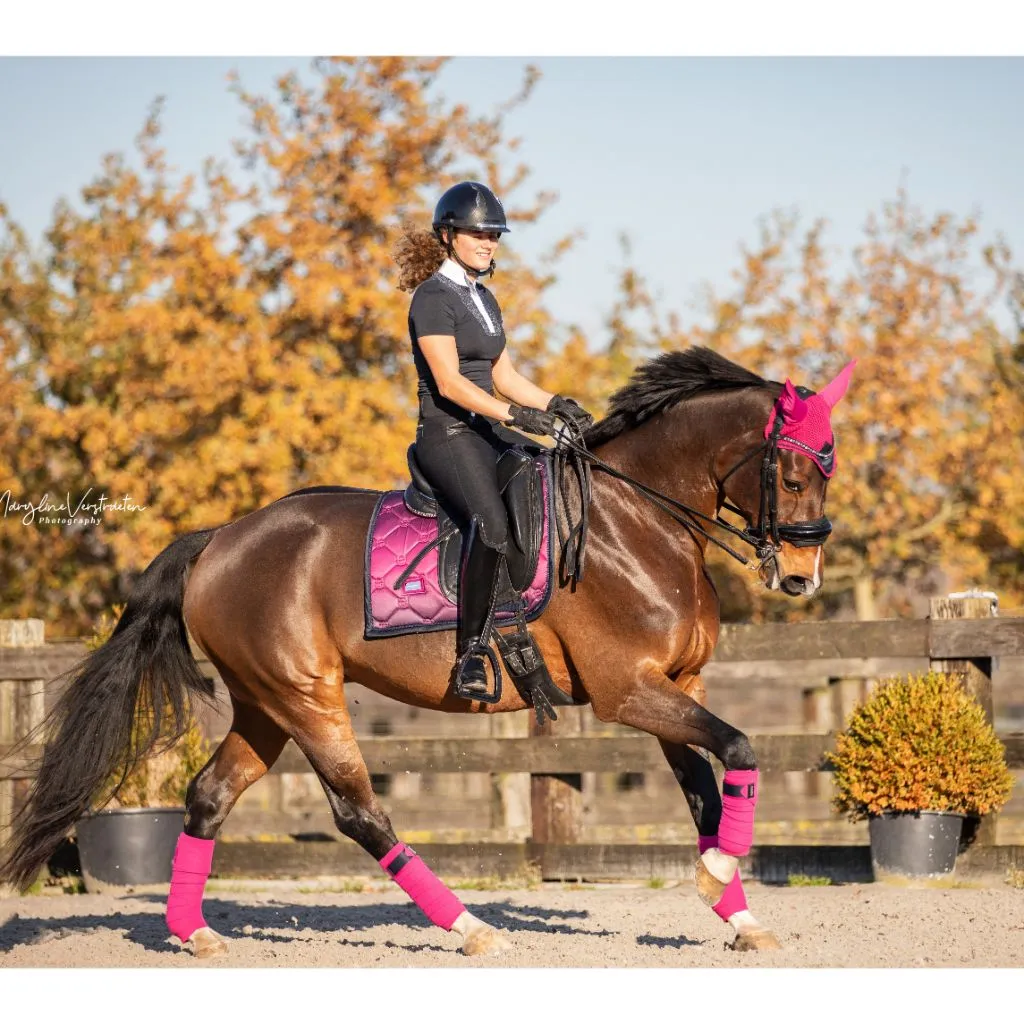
pixel 129 838
pixel 915 759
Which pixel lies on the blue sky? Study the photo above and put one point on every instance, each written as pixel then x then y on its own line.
pixel 683 154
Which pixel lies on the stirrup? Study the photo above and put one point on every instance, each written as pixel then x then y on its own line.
pixel 469 692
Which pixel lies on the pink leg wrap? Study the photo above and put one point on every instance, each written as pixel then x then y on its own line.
pixel 424 888
pixel 190 869
pixel 739 798
pixel 734 899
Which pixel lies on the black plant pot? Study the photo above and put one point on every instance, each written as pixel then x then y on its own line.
pixel 914 844
pixel 128 846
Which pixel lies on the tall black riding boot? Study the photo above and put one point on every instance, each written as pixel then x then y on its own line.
pixel 478 583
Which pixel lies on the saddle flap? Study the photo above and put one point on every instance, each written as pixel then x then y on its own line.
pixel 520 489
pixel 418 503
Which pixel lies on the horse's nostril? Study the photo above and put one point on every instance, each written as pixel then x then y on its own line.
pixel 797 585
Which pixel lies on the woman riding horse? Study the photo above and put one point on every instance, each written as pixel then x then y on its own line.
pixel 458 343
pixel 275 599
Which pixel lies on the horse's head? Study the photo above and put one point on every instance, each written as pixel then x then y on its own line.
pixel 779 487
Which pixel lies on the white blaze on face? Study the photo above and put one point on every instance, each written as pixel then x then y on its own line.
pixel 798 571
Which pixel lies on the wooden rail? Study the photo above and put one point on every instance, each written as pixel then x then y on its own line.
pixel 844 652
pixel 885 640
pixel 582 862
pixel 540 755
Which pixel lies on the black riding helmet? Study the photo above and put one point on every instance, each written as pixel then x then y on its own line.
pixel 470 206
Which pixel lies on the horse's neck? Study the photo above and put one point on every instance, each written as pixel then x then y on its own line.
pixel 684 451
pixel 669 453
pixel 681 453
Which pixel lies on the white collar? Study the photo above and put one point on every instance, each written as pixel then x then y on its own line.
pixel 454 272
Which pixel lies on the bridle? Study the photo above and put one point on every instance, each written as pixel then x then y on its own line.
pixel 766 538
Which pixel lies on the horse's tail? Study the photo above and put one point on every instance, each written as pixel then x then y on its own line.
pixel 95 739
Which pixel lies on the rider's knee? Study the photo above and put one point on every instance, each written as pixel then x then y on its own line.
pixel 493 530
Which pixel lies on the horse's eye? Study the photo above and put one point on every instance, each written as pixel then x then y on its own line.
pixel 796 486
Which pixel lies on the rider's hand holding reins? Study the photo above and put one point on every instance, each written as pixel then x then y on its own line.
pixel 571 410
pixel 533 421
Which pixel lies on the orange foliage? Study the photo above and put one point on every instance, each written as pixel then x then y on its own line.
pixel 205 347
pixel 930 442
pixel 208 348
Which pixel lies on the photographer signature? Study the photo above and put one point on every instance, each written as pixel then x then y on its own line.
pixel 83 507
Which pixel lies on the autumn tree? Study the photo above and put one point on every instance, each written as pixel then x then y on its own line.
pixel 930 441
pixel 206 346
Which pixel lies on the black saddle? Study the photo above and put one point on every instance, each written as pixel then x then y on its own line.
pixel 521 489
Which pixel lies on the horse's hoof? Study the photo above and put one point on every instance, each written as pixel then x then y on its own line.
pixel 486 941
pixel 755 938
pixel 709 888
pixel 205 942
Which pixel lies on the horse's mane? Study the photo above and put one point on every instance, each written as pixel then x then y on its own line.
pixel 665 380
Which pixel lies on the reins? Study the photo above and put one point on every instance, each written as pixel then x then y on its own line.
pixel 570 448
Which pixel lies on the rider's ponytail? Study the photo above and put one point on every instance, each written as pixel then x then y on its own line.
pixel 418 254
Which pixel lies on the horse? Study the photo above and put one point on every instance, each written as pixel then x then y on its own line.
pixel 275 601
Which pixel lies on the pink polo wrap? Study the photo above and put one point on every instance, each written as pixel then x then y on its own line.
pixel 190 868
pixel 736 828
pixel 734 899
pixel 425 889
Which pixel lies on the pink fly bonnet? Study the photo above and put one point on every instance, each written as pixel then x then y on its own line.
pixel 807 425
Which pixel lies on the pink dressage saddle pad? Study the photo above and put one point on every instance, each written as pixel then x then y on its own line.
pixel 396 536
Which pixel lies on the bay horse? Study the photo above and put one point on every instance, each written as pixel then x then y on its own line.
pixel 275 601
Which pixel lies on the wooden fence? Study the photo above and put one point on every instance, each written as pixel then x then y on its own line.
pixel 961 635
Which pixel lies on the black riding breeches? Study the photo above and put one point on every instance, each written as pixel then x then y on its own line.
pixel 459 461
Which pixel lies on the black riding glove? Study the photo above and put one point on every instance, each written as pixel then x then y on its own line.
pixel 571 410
pixel 533 421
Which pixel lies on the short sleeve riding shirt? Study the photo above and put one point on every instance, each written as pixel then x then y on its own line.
pixel 451 304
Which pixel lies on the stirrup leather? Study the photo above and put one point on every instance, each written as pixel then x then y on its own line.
pixel 529 672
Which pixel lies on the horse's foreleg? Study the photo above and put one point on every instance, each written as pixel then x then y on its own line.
pixel 244 755
pixel 658 705
pixel 334 754
pixel 696 777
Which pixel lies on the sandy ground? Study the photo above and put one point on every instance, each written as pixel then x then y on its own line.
pixel 554 926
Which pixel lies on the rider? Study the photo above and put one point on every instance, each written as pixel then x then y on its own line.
pixel 459 350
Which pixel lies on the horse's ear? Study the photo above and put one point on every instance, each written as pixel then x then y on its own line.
pixel 793 407
pixel 836 388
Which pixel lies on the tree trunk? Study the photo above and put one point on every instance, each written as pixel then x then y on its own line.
pixel 864 598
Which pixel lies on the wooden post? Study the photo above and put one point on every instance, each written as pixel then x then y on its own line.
pixel 817 715
pixel 557 800
pixel 22 708
pixel 975 672
pixel 510 791
pixel 846 694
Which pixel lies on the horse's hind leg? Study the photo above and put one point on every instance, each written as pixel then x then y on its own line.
pixel 332 751
pixel 244 755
